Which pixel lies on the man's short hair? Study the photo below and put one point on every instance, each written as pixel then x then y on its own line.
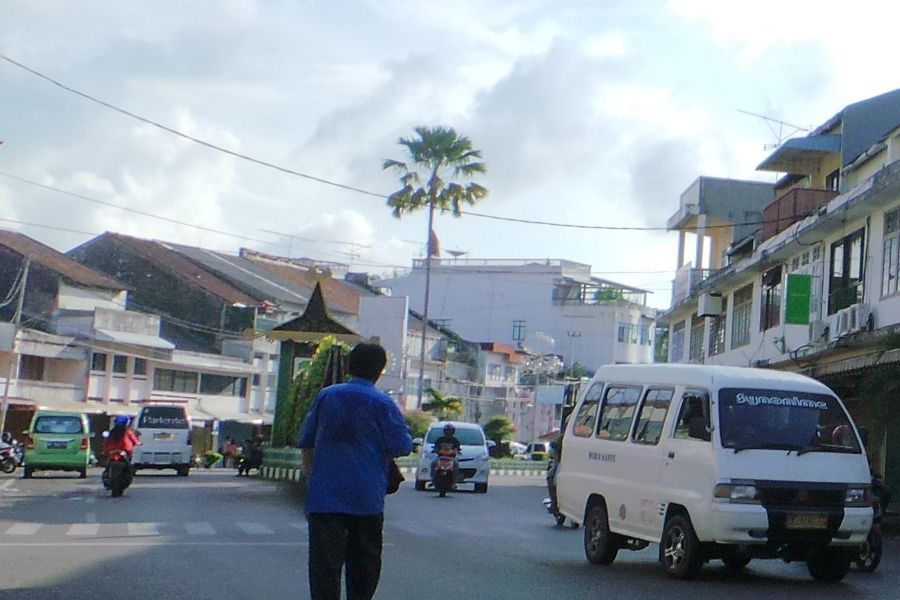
pixel 367 361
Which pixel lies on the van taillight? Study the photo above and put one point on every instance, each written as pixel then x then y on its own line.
pixel 84 443
pixel 29 442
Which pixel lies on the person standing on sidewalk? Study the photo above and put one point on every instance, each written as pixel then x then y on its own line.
pixel 350 433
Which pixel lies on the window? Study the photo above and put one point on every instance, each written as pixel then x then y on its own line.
pixel 518 331
pixel 645 338
pixel 98 362
pixel 740 316
pixel 845 283
pixel 256 379
pixel 140 366
pixel 168 380
pixel 628 333
pixel 696 349
pixel 163 417
pixel 678 342
pixel 693 418
pixel 120 364
pixel 618 412
pixel 586 417
pixel 58 424
pixel 222 385
pixel 31 367
pixel 833 181
pixel 717 330
pixel 770 302
pixel 653 413
pixel 891 252
pixel 495 372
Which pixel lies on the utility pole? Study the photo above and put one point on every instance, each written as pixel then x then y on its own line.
pixel 13 354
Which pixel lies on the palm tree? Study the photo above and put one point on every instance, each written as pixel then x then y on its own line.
pixel 436 155
pixel 443 406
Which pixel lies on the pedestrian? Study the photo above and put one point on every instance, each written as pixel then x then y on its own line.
pixel 351 432
pixel 231 450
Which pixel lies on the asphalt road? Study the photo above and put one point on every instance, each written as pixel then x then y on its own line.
pixel 216 536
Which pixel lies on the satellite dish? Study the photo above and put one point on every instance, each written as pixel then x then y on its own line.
pixel 456 253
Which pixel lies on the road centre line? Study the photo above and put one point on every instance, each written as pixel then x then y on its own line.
pixel 101 544
pixel 254 528
pixel 199 529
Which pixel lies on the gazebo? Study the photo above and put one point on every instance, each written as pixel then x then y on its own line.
pixel 299 339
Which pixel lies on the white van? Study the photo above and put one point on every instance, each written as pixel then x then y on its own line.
pixel 711 462
pixel 474 459
pixel 165 433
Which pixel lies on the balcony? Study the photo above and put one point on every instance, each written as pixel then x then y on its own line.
pixel 687 280
pixel 793 206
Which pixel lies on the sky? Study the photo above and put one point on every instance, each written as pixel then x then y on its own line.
pixel 586 112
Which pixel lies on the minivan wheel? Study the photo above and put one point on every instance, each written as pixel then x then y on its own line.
pixel 680 548
pixel 600 544
pixel 828 565
pixel 183 471
pixel 82 473
pixel 28 472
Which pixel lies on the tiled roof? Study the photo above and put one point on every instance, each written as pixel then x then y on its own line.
pixel 58 262
pixel 163 255
pixel 340 295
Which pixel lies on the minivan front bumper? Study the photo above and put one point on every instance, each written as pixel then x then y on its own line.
pixel 732 523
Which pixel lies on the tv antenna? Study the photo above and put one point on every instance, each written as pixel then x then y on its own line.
pixel 779 132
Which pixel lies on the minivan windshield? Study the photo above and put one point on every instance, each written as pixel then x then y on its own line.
pixel 466 437
pixel 784 420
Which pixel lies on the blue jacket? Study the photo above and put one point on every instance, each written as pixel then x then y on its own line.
pixel 353 429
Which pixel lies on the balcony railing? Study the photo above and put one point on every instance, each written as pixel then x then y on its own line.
pixel 794 205
pixel 687 280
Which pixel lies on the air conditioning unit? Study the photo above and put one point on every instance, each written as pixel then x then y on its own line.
pixel 709 305
pixel 818 331
pixel 853 318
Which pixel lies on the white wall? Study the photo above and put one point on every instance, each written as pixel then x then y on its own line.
pixel 80 298
pixel 387 318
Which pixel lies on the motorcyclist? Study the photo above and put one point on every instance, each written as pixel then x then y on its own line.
pixel 448 444
pixel 6 440
pixel 121 437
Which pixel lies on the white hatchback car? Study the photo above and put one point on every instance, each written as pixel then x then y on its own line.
pixel 474 459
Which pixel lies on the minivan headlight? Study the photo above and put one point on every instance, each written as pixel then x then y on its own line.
pixel 741 493
pixel 857 496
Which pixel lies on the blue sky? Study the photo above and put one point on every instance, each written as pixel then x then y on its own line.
pixel 596 113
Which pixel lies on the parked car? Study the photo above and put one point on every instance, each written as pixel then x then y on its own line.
pixel 165 432
pixel 474 458
pixel 537 451
pixel 517 450
pixel 57 441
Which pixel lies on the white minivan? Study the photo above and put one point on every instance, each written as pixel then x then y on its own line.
pixel 713 462
pixel 165 433
pixel 474 458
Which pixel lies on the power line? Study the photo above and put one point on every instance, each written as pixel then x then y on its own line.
pixel 320 179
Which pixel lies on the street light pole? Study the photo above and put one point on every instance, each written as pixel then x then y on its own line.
pixel 13 354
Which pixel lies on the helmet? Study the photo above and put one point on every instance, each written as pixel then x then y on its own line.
pixel 123 420
pixel 6 437
pixel 449 429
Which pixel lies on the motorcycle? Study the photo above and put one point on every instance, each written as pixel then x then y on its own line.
pixel 444 468
pixel 118 473
pixel 869 556
pixel 551 489
pixel 8 459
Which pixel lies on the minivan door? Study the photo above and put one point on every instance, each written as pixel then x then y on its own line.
pixel 687 474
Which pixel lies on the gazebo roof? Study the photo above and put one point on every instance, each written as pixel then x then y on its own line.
pixel 313 324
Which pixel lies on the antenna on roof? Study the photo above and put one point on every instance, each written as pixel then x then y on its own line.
pixel 780 134
pixel 456 253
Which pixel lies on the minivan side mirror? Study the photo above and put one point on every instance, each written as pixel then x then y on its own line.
pixel 491 444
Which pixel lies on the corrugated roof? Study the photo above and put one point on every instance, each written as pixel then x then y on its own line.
pixel 245 274
pixel 165 256
pixel 70 270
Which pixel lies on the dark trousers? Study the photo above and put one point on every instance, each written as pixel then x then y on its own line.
pixel 338 541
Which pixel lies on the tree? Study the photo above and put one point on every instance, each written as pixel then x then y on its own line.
pixel 498 429
pixel 443 406
pixel 418 422
pixel 436 155
pixel 308 383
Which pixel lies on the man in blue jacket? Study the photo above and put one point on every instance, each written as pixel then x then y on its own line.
pixel 350 433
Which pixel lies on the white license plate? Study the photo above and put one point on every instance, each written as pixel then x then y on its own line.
pixel 162 436
pixel 57 445
pixel 807 521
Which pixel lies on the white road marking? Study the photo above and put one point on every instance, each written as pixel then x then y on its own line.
pixel 137 529
pixel 105 544
pixel 199 529
pixel 84 529
pixel 7 484
pixel 301 525
pixel 254 528
pixel 23 529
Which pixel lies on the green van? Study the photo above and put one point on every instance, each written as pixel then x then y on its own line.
pixel 57 441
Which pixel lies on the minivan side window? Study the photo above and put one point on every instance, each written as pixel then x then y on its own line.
pixel 618 412
pixel 652 415
pixel 693 418
pixel 586 417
